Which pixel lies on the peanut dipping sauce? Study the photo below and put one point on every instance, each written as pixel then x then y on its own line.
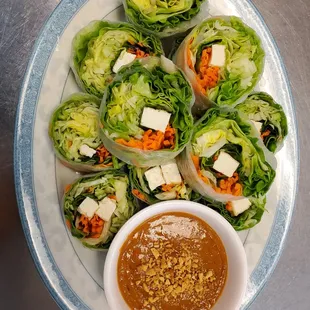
pixel 172 261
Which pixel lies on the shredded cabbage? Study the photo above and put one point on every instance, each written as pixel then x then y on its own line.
pixel 97 47
pixel 97 187
pixel 74 124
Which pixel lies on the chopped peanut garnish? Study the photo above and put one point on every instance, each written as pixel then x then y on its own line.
pixel 168 277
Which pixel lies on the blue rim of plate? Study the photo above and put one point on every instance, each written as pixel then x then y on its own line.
pixel 52 277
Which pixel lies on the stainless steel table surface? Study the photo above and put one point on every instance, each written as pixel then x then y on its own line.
pixel 20 284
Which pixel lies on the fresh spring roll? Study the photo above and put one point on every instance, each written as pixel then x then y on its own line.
pixel 225 160
pixel 164 17
pixel 268 117
pixel 145 113
pixel 96 207
pixel 100 49
pixel 223 59
pixel 158 183
pixel 74 131
pixel 241 218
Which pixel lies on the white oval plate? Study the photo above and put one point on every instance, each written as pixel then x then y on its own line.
pixel 72 273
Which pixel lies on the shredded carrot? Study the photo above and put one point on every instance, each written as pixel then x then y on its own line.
pixel 188 55
pixel 203 178
pixel 137 144
pixel 103 153
pixel 138 194
pixel 231 186
pixel 195 160
pixel 83 224
pixel 68 223
pixel 229 206
pixel 92 227
pixel 167 187
pixel 67 188
pixel 207 76
pixel 96 226
pixel 152 140
pixel 138 52
pixel 265 134
pixel 70 143
pixel 112 197
pixel 189 59
pixel 226 186
pixel 105 165
pixel 141 54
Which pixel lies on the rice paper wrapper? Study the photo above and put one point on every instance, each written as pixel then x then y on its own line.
pixel 205 101
pixel 190 175
pixel 148 158
pixel 84 40
pixel 77 164
pixel 169 31
pixel 261 107
pixel 125 209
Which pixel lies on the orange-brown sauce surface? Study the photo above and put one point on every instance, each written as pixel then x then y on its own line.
pixel 172 261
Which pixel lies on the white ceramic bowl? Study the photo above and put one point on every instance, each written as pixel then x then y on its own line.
pixel 235 286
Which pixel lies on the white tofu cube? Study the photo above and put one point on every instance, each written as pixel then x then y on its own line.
pixel 218 56
pixel 225 164
pixel 88 207
pixel 123 60
pixel 106 208
pixel 258 126
pixel 155 119
pixel 239 206
pixel 154 177
pixel 85 150
pixel 171 173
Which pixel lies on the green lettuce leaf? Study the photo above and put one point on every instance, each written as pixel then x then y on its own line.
pixel 261 107
pixel 157 16
pixel 97 187
pixel 245 220
pixel 96 48
pixel 151 82
pixel 73 124
pixel 244 61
